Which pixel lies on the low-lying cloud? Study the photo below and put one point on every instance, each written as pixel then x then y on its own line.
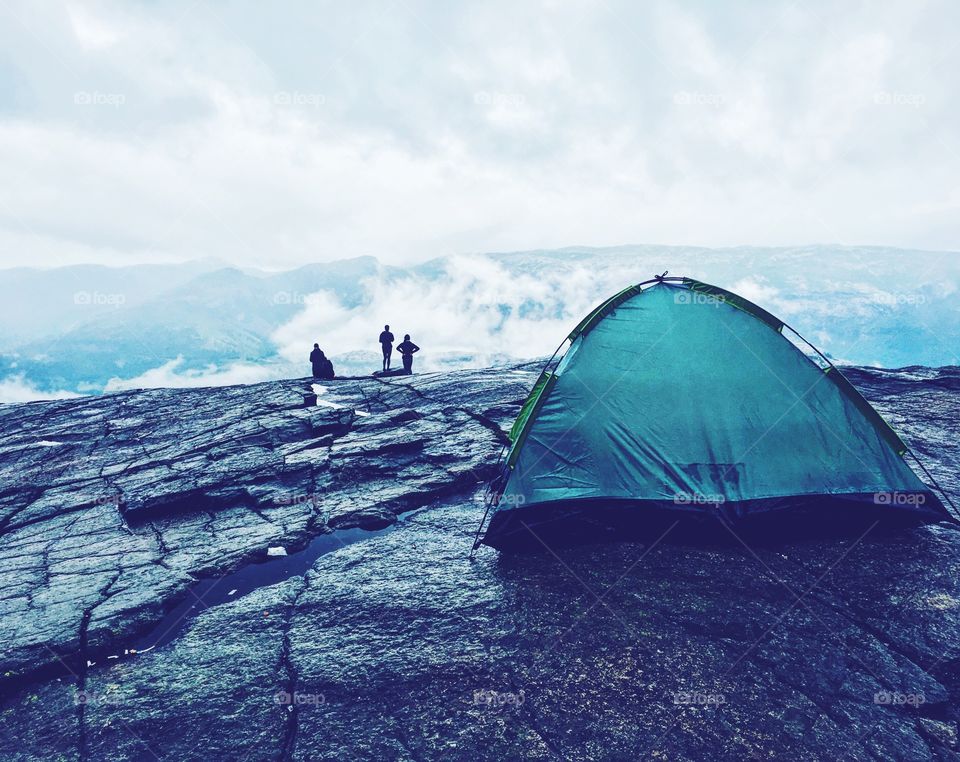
pixel 18 388
pixel 474 312
pixel 174 375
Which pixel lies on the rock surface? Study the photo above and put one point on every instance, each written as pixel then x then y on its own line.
pixel 112 506
pixel 399 646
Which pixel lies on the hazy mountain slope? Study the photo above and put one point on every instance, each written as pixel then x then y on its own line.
pixel 37 303
pixel 867 305
pixel 222 316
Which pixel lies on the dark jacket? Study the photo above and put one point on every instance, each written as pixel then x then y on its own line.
pixel 318 362
pixel 326 369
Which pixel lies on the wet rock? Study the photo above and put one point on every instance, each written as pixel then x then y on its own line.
pixel 153 489
pixel 401 647
pixel 941 733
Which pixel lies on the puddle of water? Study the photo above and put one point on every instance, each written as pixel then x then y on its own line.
pixel 207 593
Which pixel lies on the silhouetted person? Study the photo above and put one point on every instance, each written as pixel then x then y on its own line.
pixel 407 348
pixel 326 368
pixel 386 344
pixel 322 367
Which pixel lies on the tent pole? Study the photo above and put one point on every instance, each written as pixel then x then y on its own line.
pixel 476 537
pixel 491 503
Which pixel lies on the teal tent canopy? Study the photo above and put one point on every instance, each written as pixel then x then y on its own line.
pixel 686 398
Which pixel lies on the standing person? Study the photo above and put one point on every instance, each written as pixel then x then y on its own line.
pixel 386 344
pixel 407 349
pixel 316 361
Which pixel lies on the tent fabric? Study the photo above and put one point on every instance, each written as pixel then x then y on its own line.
pixel 737 301
pixel 687 396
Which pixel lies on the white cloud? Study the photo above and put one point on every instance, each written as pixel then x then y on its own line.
pixel 92 31
pixel 172 375
pixel 755 290
pixel 18 389
pixel 474 308
pixel 428 129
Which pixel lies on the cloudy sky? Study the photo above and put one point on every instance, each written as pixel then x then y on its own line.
pixel 278 134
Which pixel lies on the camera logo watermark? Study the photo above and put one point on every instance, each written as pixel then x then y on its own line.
pixel 887 98
pixel 297 98
pixel 505 500
pixel 694 498
pixel 899 498
pixel 96 298
pixel 298 698
pixel 699 698
pixel 108 698
pixel 684 296
pixel 295 297
pixel 497 699
pixel 96 98
pixel 887 299
pixel 688 98
pixel 297 498
pixel 895 698
pixel 117 501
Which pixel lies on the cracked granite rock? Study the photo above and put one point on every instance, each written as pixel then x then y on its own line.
pixel 401 647
pixel 110 507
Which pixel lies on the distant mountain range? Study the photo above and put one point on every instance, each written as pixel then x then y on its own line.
pixel 84 329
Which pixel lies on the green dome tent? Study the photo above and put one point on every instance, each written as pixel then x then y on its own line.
pixel 676 398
